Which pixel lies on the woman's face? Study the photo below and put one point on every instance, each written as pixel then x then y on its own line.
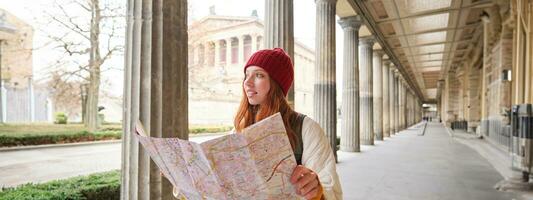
pixel 256 85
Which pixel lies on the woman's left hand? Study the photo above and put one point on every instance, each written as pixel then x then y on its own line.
pixel 305 181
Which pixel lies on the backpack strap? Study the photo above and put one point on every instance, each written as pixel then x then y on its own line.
pixel 296 126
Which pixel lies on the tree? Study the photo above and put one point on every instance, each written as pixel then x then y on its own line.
pixel 89 30
pixel 66 94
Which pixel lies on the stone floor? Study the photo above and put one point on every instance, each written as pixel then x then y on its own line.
pixel 411 166
pixel 405 166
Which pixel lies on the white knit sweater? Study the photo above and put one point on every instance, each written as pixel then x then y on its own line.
pixel 318 156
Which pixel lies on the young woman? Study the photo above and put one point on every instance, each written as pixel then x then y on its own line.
pixel 268 76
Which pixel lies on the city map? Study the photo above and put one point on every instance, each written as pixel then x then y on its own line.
pixel 254 164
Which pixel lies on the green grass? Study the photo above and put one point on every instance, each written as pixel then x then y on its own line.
pixel 23 130
pixel 37 134
pixel 103 186
pixel 195 129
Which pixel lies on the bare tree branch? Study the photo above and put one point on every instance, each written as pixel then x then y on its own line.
pixel 74 24
pixel 81 33
pixel 85 7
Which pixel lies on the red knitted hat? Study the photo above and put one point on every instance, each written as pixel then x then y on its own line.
pixel 278 65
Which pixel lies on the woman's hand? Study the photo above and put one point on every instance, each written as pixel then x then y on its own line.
pixel 305 181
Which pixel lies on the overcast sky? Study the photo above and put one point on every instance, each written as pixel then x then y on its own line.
pixel 304 29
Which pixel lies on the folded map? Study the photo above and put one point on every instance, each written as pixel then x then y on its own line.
pixel 254 164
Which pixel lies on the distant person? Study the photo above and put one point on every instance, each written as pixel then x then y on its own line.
pixel 268 76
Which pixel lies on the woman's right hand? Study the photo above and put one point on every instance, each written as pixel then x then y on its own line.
pixel 306 182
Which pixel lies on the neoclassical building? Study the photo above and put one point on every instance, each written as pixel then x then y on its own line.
pixel 218 47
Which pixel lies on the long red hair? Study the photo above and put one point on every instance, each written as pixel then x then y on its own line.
pixel 275 102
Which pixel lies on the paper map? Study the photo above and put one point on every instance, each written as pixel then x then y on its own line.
pixel 254 164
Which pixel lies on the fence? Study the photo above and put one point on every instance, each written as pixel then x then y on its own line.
pixel 24 105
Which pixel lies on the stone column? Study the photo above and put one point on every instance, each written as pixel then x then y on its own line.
pixel 378 94
pixel 228 52
pixel 279 25
pixel 207 46
pixel 350 92
pixel 399 104
pixel 411 109
pixel 325 106
pixel 365 84
pixel 396 103
pixel 401 94
pixel 487 33
pixel 279 31
pixel 408 108
pixel 385 102
pixel 155 70
pixel 452 97
pixel 403 106
pixel 405 109
pixel 217 53
pixel 254 43
pixel 417 105
pixel 240 57
pixel 391 99
pixel 459 77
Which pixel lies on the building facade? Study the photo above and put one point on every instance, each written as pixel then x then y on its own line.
pixel 219 47
pixel 16 43
pixel 19 100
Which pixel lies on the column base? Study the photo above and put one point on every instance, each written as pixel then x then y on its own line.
pixel 379 136
pixel 515 183
pixel 350 149
pixel 367 142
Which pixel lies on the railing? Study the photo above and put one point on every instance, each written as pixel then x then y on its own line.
pixel 461 125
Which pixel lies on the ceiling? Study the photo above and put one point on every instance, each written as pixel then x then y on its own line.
pixel 425 36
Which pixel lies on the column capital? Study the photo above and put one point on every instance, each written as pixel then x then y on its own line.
pixel 351 23
pixel 391 65
pixel 379 52
pixel 366 41
pixel 404 82
pixel 387 62
pixel 254 34
pixel 326 1
pixel 396 72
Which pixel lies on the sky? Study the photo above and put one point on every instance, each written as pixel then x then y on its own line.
pixel 32 11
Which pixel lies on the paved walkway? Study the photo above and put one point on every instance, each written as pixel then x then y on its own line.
pixel 409 166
